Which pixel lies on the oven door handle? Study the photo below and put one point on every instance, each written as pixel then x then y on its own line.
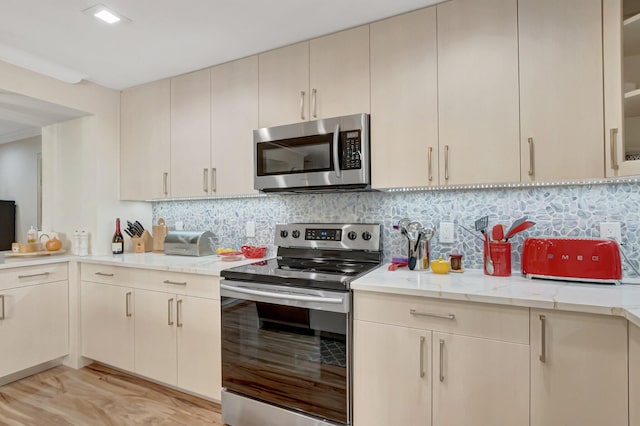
pixel 281 296
pixel 336 151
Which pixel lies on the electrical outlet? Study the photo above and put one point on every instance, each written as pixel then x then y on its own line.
pixel 250 229
pixel 179 225
pixel 446 232
pixel 611 230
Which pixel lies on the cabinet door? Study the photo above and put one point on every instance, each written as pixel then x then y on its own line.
pixel 339 73
pixel 634 375
pixel 478 91
pixel 392 375
pixel 582 377
pixel 190 134
pixel 234 109
pixel 155 336
pixel 284 85
pixel 35 325
pixel 145 148
pixel 199 363
pixel 561 93
pixel 108 324
pixel 404 101
pixel 479 375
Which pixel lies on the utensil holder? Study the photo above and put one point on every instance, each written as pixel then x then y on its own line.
pixel 501 257
pixel 159 233
pixel 143 243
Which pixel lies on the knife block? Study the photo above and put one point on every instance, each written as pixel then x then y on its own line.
pixel 143 243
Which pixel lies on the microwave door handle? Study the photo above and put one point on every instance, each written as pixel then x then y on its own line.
pixel 336 154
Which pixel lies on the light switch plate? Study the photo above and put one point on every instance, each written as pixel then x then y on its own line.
pixel 446 232
pixel 610 230
pixel 250 229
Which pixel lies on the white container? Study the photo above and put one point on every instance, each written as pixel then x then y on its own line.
pixel 80 243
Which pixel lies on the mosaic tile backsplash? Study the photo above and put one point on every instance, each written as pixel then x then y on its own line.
pixel 571 211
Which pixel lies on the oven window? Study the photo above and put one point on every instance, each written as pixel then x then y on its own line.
pixel 299 155
pixel 289 356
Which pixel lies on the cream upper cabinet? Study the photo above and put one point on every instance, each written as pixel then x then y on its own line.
pixel 634 375
pixel 190 134
pixel 339 73
pixel 579 372
pixel 621 27
pixel 145 141
pixel 284 85
pixel 561 89
pixel 478 91
pixel 234 116
pixel 404 100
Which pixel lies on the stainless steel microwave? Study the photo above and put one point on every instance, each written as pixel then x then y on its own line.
pixel 328 154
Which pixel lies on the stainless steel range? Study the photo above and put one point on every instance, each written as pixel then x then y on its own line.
pixel 286 327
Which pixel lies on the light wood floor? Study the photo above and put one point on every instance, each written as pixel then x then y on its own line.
pixel 97 395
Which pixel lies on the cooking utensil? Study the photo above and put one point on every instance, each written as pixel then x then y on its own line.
pixel 128 233
pixel 497 232
pixel 488 261
pixel 414 233
pixel 396 265
pixel 482 224
pixel 402 225
pixel 522 227
pixel 516 223
pixel 471 232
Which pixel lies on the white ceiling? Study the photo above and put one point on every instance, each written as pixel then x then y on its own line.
pixel 168 37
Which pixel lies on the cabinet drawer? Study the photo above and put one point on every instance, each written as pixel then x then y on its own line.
pixel 172 282
pixel 31 275
pixel 507 323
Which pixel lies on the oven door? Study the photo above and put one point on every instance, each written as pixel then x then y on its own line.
pixel 287 347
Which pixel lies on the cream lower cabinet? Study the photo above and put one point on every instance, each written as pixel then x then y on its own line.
pixel 579 371
pixel 634 375
pixel 34 325
pixel 166 325
pixel 415 359
pixel 108 324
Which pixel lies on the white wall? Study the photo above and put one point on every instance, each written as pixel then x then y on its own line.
pixel 80 158
pixel 19 181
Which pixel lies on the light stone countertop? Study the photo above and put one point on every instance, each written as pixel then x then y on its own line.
pixel 473 286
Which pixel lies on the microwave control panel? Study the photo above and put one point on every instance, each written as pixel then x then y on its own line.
pixel 351 149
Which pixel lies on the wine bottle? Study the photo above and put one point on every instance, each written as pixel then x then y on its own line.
pixel 117 243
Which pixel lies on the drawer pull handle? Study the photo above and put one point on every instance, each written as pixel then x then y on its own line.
pixel 441 360
pixel 179 313
pixel 42 274
pixel 170 311
pixel 2 305
pixel 422 341
pixel 127 304
pixel 427 314
pixel 104 274
pixel 174 282
pixel 543 337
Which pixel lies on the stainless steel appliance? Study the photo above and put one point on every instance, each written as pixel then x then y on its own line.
pixel 286 327
pixel 325 154
pixel 189 243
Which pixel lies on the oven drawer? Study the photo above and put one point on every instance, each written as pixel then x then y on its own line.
pixel 506 323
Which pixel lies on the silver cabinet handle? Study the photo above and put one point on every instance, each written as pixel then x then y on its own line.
pixel 175 282
pixel 430 174
pixel 446 162
pixel 302 95
pixel 165 177
pixel 427 314
pixel 179 313
pixel 314 96
pixel 127 304
pixel 422 341
pixel 613 140
pixel 214 180
pixel 170 311
pixel 531 158
pixel 441 360
pixel 205 179
pixel 42 274
pixel 543 337
pixel 2 305
pixel 336 151
pixel 104 274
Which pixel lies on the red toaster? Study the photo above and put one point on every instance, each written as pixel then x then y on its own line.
pixel 572 259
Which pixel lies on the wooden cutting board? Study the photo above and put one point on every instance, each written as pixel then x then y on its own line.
pixel 34 253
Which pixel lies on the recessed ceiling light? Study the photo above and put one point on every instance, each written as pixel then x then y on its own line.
pixel 105 14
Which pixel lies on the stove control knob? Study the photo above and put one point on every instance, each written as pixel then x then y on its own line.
pixel 352 235
pixel 295 234
pixel 284 233
pixel 366 236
